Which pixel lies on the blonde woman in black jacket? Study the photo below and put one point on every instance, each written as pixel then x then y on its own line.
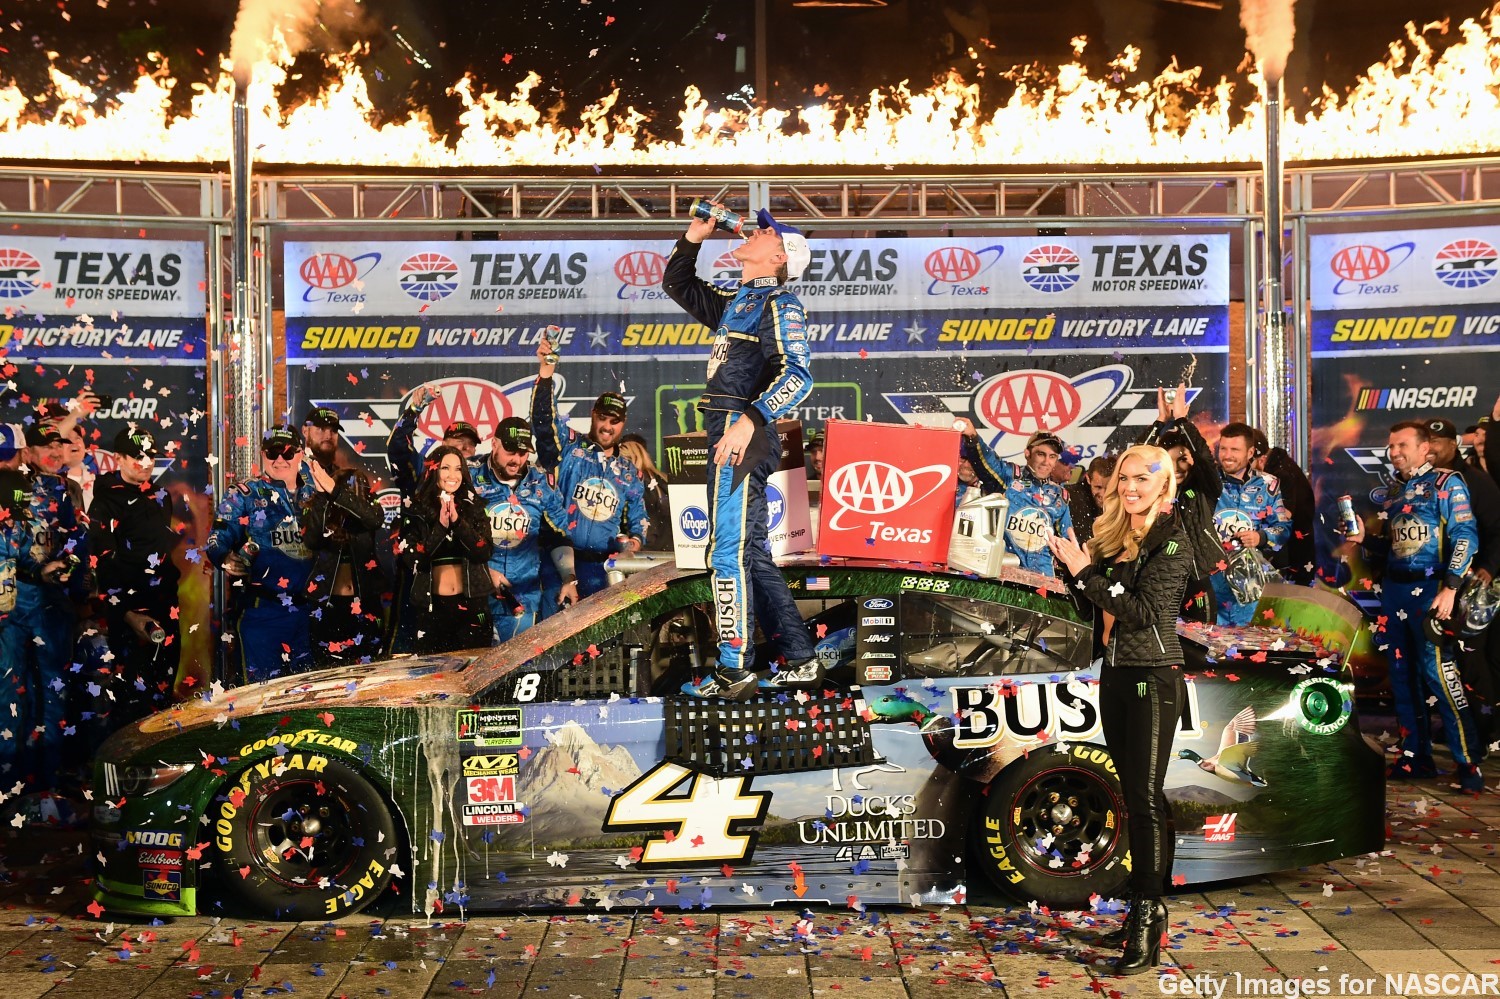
pixel 1134 571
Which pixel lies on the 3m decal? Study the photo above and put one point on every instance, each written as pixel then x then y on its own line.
pixel 703 822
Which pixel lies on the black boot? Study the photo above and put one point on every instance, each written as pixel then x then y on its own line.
pixel 1143 933
pixel 1116 938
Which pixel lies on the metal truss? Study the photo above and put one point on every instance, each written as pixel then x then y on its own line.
pixel 898 200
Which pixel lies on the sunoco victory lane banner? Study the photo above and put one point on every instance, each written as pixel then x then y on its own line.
pixel 1405 325
pixel 127 318
pixel 1019 333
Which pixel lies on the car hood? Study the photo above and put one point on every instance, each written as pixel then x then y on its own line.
pixel 390 683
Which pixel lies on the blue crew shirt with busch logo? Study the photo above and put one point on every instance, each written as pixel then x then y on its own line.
pixel 597 489
pixel 268 513
pixel 1253 503
pixel 516 511
pixel 1038 508
pixel 1432 531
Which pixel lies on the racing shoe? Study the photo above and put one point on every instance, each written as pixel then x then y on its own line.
pixel 729 684
pixel 804 674
pixel 1471 780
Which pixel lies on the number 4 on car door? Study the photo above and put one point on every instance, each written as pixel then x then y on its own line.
pixel 703 823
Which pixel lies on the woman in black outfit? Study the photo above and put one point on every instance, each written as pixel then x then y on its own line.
pixel 1134 572
pixel 445 544
pixel 345 587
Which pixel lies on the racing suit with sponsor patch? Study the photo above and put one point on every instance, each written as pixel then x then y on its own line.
pixel 1037 510
pixel 36 642
pixel 597 489
pixel 1252 503
pixel 1432 540
pixel 516 510
pixel 759 370
pixel 15 561
pixel 270 619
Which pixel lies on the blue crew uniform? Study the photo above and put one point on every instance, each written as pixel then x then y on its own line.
pixel 517 509
pixel 759 370
pixel 36 641
pixel 597 490
pixel 1252 503
pixel 16 562
pixel 1432 541
pixel 270 613
pixel 1038 508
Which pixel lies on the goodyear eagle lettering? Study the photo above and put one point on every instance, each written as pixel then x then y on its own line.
pixel 230 807
pixel 1433 327
pixel 311 736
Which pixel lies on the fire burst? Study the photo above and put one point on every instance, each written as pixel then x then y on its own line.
pixel 1417 102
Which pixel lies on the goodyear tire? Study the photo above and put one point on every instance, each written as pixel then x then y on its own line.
pixel 303 836
pixel 1073 798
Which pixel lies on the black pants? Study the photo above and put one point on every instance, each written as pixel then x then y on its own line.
pixel 144 671
pixel 1479 665
pixel 1139 709
pixel 340 636
pixel 453 624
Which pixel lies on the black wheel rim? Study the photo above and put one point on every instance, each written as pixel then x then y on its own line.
pixel 1081 813
pixel 300 833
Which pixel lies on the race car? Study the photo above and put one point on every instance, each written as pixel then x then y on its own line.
pixel 956 736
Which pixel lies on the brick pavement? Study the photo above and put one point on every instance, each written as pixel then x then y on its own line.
pixel 1429 904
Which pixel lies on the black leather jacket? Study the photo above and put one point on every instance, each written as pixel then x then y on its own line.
pixel 1144 596
pixel 425 540
pixel 338 528
pixel 1197 498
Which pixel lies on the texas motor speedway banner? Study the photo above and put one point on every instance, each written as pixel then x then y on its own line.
pixel 127 318
pixel 1019 333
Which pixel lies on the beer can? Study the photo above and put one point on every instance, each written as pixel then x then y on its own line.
pixel 721 217
pixel 553 333
pixel 157 635
pixel 1171 396
pixel 1348 520
pixel 249 550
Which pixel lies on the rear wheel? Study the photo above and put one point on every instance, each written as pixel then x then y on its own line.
pixel 1051 828
pixel 305 837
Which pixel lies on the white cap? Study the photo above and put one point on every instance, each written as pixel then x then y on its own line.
pixel 798 256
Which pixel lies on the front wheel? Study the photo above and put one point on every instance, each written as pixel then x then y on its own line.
pixel 1051 828
pixel 304 837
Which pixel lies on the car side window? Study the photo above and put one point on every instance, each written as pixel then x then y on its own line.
pixel 944 635
pixel 577 669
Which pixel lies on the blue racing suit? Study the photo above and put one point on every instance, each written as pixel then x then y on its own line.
pixel 596 489
pixel 36 641
pixel 270 621
pixel 1252 503
pixel 15 561
pixel 516 511
pixel 759 370
pixel 1037 510
pixel 1432 540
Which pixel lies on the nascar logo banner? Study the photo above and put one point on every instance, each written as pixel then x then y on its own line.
pixel 1405 326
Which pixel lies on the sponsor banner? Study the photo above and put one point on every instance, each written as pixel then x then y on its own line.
pixel 898 327
pixel 606 277
pixel 66 275
pixel 888 491
pixel 1409 328
pixel 1378 270
pixel 102 340
pixel 1095 402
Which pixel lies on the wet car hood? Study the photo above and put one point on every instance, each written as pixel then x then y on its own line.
pixel 412 681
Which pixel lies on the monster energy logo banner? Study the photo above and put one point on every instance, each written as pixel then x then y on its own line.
pixel 685 457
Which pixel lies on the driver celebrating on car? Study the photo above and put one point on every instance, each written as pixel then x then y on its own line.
pixel 758 372
pixel 1039 507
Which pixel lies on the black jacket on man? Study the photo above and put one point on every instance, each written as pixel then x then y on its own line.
pixel 131 538
pixel 1197 498
pixel 1144 596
